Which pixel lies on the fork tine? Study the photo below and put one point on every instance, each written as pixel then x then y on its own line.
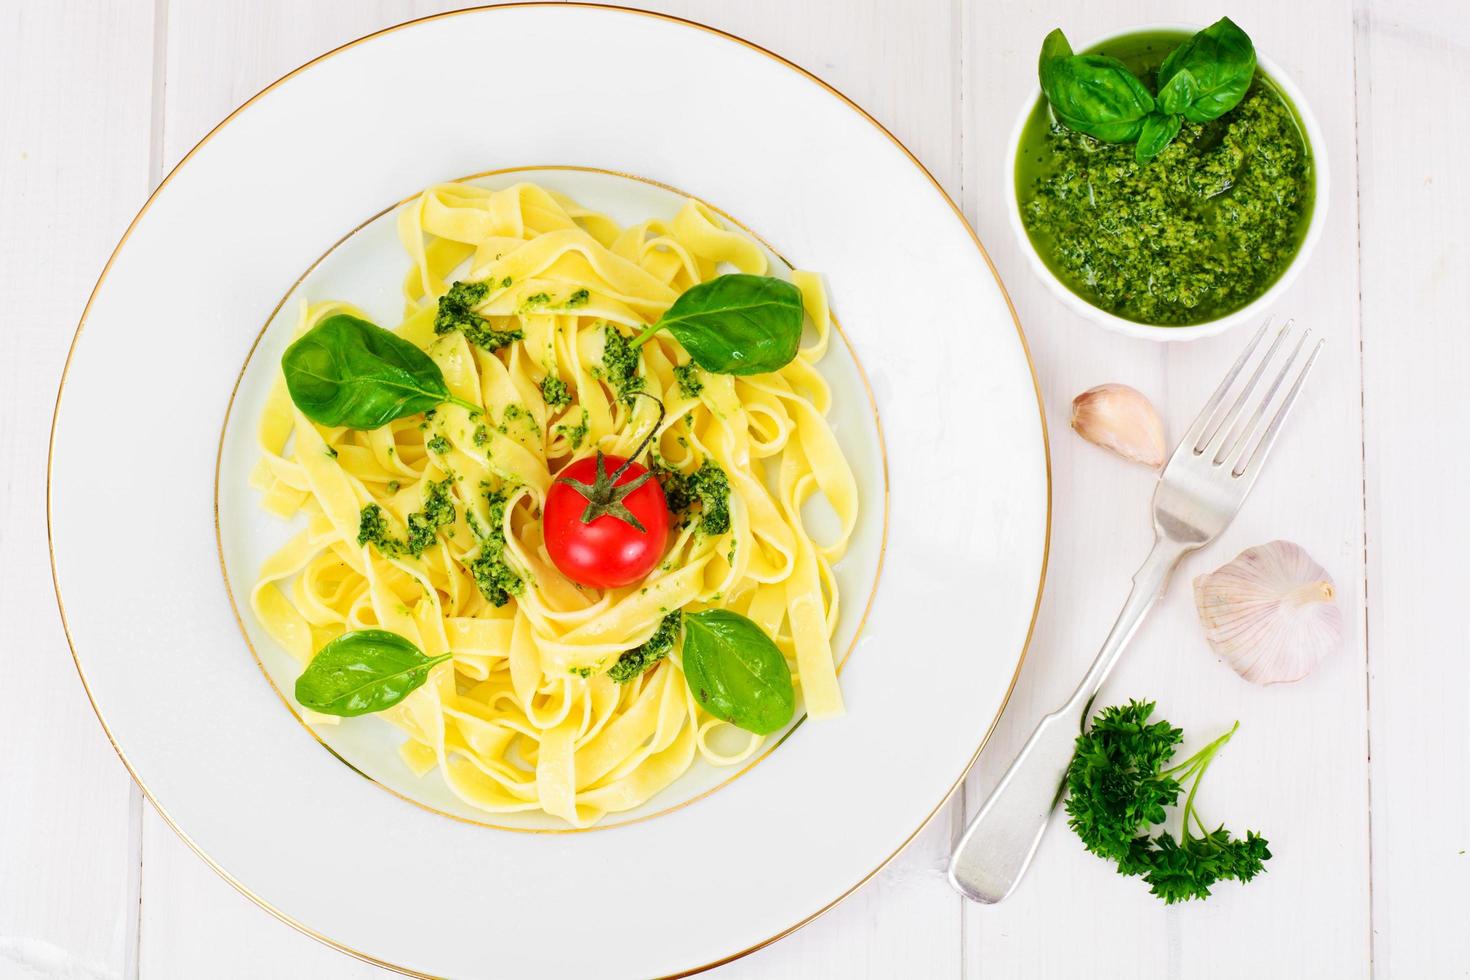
pixel 1237 444
pixel 1216 442
pixel 1251 466
pixel 1202 421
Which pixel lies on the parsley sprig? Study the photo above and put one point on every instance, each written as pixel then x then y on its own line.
pixel 1117 784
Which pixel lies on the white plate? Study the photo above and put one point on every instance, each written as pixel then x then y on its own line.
pixel 175 315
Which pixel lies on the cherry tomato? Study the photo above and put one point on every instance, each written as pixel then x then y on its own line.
pixel 608 552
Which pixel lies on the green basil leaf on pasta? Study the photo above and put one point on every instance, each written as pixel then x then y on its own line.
pixel 1158 132
pixel 736 324
pixel 736 672
pixel 1222 61
pixel 347 372
pixel 363 671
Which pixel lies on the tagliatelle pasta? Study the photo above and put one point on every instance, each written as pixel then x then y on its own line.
pixel 528 717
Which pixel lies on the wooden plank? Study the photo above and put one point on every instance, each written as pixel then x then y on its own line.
pixel 1416 356
pixel 1297 769
pixel 74 146
pixel 194 924
pixel 897 63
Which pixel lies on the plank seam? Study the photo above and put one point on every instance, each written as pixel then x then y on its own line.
pixel 1360 78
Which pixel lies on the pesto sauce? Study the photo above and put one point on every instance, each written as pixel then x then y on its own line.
pixel 575 433
pixel 423 525
pixel 635 662
pixel 1200 231
pixel 456 313
pixel 496 580
pixel 620 364
pixel 687 377
pixel 708 486
pixel 555 393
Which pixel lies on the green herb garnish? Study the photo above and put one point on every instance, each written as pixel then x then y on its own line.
pixel 363 671
pixel 735 324
pixel 736 672
pixel 1117 785
pixel 1202 79
pixel 348 372
pixel 1208 75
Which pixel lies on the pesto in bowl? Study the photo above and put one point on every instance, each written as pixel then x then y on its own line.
pixel 1197 233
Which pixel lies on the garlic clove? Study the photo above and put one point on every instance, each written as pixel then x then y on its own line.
pixel 1118 418
pixel 1270 613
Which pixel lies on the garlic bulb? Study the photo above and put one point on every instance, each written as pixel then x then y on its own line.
pixel 1119 418
pixel 1270 612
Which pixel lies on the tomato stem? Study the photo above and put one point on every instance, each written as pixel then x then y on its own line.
pixel 633 456
pixel 603 495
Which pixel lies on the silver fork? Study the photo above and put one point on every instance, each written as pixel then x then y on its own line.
pixel 1198 494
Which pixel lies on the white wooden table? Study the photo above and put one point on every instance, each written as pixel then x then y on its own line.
pixel 1358 775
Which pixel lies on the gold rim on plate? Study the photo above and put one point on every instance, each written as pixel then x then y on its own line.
pixel 107 267
pixel 608 825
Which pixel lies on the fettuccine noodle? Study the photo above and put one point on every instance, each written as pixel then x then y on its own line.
pixel 528 719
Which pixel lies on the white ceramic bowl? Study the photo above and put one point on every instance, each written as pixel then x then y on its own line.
pixel 1252 311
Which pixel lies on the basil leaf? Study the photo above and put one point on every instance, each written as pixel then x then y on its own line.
pixel 736 324
pixel 1053 47
pixel 1096 95
pixel 363 671
pixel 1222 60
pixel 1175 96
pixel 736 672
pixel 346 371
pixel 1158 132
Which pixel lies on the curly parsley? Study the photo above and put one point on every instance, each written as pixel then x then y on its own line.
pixel 1117 784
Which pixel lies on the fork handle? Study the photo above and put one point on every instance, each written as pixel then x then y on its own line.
pixel 999 843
